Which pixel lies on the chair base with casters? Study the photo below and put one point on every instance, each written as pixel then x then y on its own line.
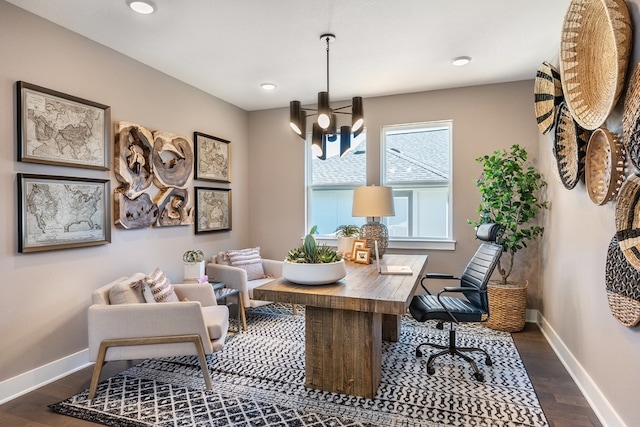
pixel 471 306
pixel 454 350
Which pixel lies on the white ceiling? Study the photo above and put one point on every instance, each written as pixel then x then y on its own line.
pixel 383 47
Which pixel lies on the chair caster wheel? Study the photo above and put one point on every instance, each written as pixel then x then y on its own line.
pixel 418 353
pixel 440 325
pixel 431 371
pixel 479 377
pixel 488 361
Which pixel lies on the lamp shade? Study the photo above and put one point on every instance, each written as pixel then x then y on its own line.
pixel 324 111
pixel 345 139
pixel 357 115
pixel 317 141
pixel 295 115
pixel 373 201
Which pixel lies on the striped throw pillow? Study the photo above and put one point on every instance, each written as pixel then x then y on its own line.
pixel 160 287
pixel 249 260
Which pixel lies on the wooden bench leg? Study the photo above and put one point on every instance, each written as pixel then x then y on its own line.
pixel 294 309
pixel 172 339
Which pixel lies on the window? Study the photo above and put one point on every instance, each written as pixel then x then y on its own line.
pixel 416 162
pixel 331 183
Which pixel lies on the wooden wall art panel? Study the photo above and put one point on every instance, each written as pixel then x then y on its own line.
pixel 155 170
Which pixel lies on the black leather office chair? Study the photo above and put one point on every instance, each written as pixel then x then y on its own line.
pixel 474 307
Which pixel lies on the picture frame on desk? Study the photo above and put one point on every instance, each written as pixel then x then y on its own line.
pixel 357 244
pixel 362 256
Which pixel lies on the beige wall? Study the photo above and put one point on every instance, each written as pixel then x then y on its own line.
pixel 603 354
pixel 45 295
pixel 485 118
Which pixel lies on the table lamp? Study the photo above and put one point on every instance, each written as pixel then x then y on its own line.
pixel 374 202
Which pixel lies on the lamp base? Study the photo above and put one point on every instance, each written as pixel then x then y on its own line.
pixel 375 232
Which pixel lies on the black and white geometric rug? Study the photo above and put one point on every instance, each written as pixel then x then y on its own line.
pixel 258 380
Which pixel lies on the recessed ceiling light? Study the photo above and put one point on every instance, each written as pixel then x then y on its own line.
pixel 461 60
pixel 145 7
pixel 267 86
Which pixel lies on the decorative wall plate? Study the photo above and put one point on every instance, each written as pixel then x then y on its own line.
pixel 631 118
pixel 569 147
pixel 604 166
pixel 622 285
pixel 594 53
pixel 548 94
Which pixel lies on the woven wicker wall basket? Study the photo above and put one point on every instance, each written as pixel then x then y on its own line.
pixel 507 306
pixel 631 118
pixel 622 286
pixel 594 53
pixel 604 166
pixel 569 147
pixel 547 95
pixel 628 220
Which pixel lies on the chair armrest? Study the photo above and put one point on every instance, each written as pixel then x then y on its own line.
pixel 459 289
pixel 144 320
pixel 233 277
pixel 202 292
pixel 440 276
pixel 272 267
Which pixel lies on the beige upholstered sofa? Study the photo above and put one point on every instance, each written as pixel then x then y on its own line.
pixel 123 326
pixel 244 278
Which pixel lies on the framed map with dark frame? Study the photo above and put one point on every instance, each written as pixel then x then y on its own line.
pixel 213 209
pixel 212 158
pixel 56 212
pixel 59 129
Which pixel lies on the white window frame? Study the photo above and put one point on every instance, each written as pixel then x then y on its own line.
pixel 447 242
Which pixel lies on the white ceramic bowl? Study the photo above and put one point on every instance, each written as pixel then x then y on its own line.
pixel 314 274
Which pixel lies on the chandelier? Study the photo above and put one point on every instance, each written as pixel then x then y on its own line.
pixel 325 128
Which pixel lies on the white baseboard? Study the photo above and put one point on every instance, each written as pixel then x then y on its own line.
pixel 24 383
pixel 598 401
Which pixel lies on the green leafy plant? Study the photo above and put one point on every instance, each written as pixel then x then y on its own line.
pixel 310 253
pixel 509 189
pixel 194 255
pixel 349 230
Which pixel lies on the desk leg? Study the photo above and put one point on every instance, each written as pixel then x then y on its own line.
pixel 390 327
pixel 343 351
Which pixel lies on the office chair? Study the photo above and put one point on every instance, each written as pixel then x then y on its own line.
pixel 474 307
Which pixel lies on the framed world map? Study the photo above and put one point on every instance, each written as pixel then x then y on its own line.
pixel 56 212
pixel 59 129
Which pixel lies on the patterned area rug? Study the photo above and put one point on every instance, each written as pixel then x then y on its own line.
pixel 258 380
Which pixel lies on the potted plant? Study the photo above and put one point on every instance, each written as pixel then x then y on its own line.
pixel 193 265
pixel 310 264
pixel 509 196
pixel 346 235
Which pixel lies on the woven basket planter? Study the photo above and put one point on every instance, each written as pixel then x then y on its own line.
pixel 507 306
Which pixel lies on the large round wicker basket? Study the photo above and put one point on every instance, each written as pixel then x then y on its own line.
pixel 507 306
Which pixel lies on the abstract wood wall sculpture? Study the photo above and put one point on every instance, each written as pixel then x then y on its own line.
pixel 155 171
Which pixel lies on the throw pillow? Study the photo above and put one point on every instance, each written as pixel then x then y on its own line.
pixel 161 287
pixel 249 260
pixel 126 292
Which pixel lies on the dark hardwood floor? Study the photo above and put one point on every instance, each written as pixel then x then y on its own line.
pixel 559 396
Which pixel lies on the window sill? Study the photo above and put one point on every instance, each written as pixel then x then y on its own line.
pixel 437 245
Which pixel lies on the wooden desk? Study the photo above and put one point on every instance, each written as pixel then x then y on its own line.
pixel 345 322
